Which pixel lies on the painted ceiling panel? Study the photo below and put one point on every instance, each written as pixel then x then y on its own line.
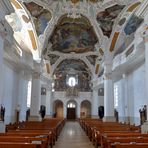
pixel 40 16
pixel 132 24
pixel 76 65
pixel 73 35
pixel 106 18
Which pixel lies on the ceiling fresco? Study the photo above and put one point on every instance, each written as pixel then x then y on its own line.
pixel 132 24
pixel 75 68
pixel 40 16
pixel 92 59
pixel 73 35
pixel 53 58
pixel 107 17
pixel 72 64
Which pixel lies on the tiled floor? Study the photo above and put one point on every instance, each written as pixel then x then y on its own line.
pixel 72 136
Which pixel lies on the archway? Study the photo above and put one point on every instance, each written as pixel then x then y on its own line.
pixel 85 109
pixel 58 109
pixel 71 110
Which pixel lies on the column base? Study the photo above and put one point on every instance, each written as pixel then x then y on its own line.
pixel 144 128
pixel 35 118
pixel 109 118
pixel 2 127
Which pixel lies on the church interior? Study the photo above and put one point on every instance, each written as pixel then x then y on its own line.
pixel 73 73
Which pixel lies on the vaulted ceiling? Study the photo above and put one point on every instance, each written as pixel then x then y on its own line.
pixel 80 31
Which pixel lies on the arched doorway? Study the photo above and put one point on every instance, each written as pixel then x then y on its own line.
pixel 58 109
pixel 85 109
pixel 71 110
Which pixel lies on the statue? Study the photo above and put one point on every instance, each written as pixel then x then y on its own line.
pixel 2 110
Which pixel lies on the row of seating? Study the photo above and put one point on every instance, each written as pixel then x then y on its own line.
pixel 114 134
pixel 32 134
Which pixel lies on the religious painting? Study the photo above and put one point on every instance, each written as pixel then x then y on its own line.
pixel 107 18
pixel 133 24
pixel 53 58
pixel 75 68
pixel 40 16
pixel 73 35
pixel 92 59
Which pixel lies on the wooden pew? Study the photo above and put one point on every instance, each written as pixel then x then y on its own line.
pixel 45 132
pixel 115 135
pixel 19 145
pixel 129 145
pixel 17 139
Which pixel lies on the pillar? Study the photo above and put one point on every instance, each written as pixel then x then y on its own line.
pixel 1 63
pixel 125 97
pixel 108 93
pixel 95 104
pixel 49 101
pixel 65 109
pixel 144 127
pixel 146 68
pixel 78 109
pixel 2 38
pixel 35 98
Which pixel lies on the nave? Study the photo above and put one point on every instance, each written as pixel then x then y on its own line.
pixel 73 136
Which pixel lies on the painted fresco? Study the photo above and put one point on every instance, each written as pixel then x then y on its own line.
pixel 53 58
pixel 106 18
pixel 78 68
pixel 122 21
pixel 92 59
pixel 73 35
pixel 132 24
pixel 77 65
pixel 40 16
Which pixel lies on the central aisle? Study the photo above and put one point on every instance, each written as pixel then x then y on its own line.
pixel 72 136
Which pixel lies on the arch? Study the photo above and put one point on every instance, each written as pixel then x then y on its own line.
pixel 85 109
pixel 58 108
pixel 30 43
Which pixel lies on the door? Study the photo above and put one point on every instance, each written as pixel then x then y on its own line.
pixel 71 113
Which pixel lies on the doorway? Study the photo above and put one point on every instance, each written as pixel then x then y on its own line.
pixel 58 109
pixel 71 111
pixel 85 109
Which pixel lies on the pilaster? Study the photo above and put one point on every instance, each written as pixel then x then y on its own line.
pixel 146 65
pixel 95 104
pixel 108 93
pixel 35 98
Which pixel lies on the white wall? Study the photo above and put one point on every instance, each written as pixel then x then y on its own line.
pixel 139 93
pixel 135 93
pixel 14 92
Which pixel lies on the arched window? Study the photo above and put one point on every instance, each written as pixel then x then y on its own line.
pixel 116 95
pixel 29 94
pixel 71 105
pixel 72 81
